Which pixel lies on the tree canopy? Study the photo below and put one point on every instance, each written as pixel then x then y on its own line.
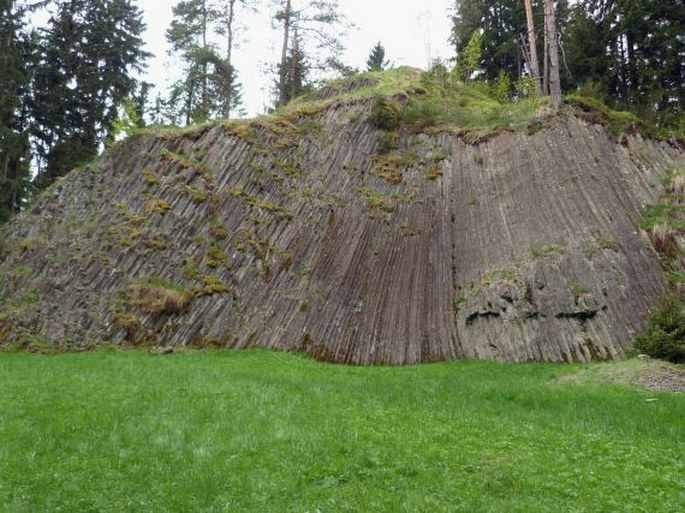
pixel 629 54
pixel 87 60
pixel 70 83
pixel 15 51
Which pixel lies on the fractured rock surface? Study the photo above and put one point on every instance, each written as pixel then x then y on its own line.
pixel 309 234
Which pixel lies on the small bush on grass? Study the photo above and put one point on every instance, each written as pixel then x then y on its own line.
pixel 664 336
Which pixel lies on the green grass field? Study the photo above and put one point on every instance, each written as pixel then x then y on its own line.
pixel 260 431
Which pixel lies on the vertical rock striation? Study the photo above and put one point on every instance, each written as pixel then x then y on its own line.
pixel 309 233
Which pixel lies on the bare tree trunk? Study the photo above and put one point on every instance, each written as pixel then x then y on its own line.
pixel 554 78
pixel 532 43
pixel 545 64
pixel 632 84
pixel 294 65
pixel 282 94
pixel 229 50
pixel 205 83
pixel 229 30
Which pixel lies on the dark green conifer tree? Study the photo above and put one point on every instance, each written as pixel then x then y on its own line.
pixel 376 60
pixel 631 54
pixel 296 71
pixel 90 51
pixel 501 23
pixel 14 81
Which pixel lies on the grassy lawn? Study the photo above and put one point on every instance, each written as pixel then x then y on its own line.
pixel 260 431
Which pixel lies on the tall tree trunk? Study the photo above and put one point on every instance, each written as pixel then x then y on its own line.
pixel 554 78
pixel 282 93
pixel 205 78
pixel 533 49
pixel 623 70
pixel 189 102
pixel 229 30
pixel 229 50
pixel 294 66
pixel 545 63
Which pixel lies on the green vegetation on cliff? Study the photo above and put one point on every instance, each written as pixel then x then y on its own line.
pixel 433 101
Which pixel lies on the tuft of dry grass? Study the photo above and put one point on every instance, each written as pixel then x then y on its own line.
pixel 663 241
pixel 677 185
pixel 158 300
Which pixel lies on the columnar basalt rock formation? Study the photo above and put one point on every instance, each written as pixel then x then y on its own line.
pixel 310 232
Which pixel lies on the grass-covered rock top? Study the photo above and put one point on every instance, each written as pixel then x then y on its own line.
pixel 434 101
pixel 428 101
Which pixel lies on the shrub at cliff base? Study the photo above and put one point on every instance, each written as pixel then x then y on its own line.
pixel 664 336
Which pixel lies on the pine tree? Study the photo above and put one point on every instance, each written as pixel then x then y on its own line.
pixel 314 21
pixel 189 36
pixel 376 60
pixel 296 70
pixel 209 86
pixel 224 86
pixel 225 75
pixel 286 17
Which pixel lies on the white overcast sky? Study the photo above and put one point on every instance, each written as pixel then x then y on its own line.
pixel 413 33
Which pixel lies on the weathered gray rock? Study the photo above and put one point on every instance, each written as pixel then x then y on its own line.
pixel 282 234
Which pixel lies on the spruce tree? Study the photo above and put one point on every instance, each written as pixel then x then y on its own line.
pixel 89 53
pixel 630 54
pixel 376 60
pixel 501 24
pixel 14 81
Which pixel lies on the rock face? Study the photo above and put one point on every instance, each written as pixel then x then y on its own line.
pixel 313 233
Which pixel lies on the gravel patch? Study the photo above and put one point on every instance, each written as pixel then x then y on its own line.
pixel 644 372
pixel 661 376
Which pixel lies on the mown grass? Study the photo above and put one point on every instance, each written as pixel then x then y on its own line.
pixel 260 431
